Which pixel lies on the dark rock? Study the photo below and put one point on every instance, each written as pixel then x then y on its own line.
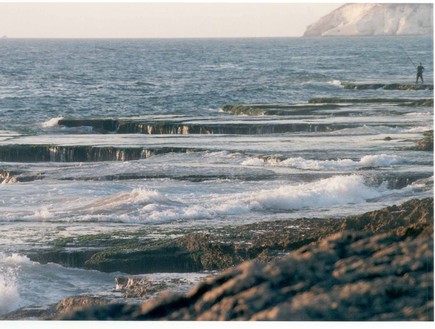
pixel 426 143
pixel 395 101
pixel 78 153
pixel 177 127
pixel 65 307
pixel 386 86
pixel 76 303
pixel 145 257
pixel 271 109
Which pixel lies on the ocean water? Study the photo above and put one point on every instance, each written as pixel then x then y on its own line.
pixel 102 136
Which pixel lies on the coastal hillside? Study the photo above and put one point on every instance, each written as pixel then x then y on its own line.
pixel 375 19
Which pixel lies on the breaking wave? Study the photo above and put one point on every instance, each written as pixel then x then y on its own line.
pixel 334 191
pixel 53 122
pixel 9 294
pixel 380 160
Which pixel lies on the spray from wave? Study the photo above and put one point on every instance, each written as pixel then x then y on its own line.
pixel 9 295
pixel 380 160
pixel 53 122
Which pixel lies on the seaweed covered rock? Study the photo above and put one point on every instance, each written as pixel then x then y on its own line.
pixel 426 143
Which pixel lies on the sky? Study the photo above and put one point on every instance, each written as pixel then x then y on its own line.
pixel 142 19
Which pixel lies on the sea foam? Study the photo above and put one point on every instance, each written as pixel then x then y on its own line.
pixel 53 122
pixel 9 295
pixel 378 160
pixel 334 191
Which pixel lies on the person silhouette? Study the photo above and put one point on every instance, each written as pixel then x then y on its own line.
pixel 420 70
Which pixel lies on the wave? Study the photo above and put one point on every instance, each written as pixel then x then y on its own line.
pixel 335 83
pixel 380 160
pixel 53 122
pixel 24 282
pixel 9 294
pixel 137 197
pixel 155 207
pixel 334 191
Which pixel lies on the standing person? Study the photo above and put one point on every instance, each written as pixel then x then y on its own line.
pixel 420 70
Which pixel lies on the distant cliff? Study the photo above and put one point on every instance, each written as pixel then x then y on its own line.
pixel 375 19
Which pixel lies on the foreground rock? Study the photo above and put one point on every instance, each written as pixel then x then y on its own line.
pixel 64 307
pixel 354 276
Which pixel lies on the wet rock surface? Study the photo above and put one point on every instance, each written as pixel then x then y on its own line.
pixel 220 248
pixel 426 143
pixel 64 307
pixel 350 275
pixel 426 102
pixel 387 86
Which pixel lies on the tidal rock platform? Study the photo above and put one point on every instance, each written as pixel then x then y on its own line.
pixel 387 86
pixel 351 275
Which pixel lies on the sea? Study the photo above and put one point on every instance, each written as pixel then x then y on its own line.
pixel 109 136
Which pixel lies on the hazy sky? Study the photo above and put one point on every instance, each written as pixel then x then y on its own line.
pixel 157 20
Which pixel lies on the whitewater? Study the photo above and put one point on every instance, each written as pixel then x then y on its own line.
pixel 115 136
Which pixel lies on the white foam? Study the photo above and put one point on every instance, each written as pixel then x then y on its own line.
pixel 378 160
pixel 335 82
pixel 9 295
pixel 334 191
pixel 53 122
pixel 43 213
pixel 253 162
pixel 420 129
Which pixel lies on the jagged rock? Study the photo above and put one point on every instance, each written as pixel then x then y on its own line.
pixel 73 304
pixel 379 266
pixel 347 276
pixel 65 307
pixel 137 287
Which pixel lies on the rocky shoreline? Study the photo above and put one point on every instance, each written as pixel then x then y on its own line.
pixel 378 266
pixel 384 255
